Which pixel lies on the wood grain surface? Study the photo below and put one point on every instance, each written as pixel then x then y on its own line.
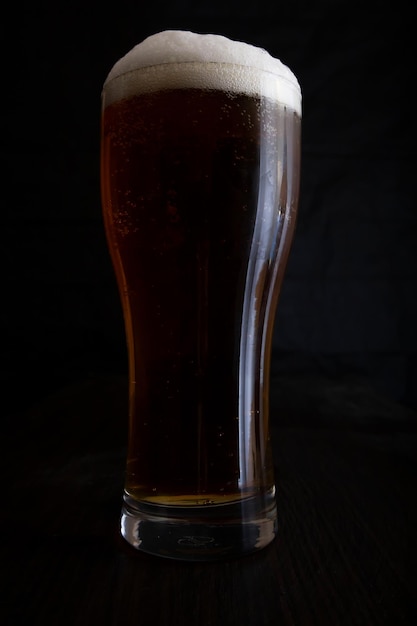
pixel 345 553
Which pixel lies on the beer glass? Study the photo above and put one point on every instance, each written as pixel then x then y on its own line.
pixel 200 160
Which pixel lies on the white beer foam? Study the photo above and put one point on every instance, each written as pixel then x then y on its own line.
pixel 175 59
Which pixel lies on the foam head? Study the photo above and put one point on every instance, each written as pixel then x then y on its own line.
pixel 175 59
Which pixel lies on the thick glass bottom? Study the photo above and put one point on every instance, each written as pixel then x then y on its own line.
pixel 200 533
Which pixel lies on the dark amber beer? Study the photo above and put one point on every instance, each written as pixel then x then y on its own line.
pixel 200 176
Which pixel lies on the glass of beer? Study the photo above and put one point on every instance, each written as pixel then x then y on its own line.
pixel 200 163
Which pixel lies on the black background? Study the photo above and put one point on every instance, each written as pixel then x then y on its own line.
pixel 344 374
pixel 348 305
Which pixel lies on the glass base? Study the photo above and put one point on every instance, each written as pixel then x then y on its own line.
pixel 200 533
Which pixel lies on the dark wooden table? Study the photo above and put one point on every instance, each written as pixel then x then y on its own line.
pixel 346 550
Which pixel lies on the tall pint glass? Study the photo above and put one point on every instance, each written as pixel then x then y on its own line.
pixel 200 164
